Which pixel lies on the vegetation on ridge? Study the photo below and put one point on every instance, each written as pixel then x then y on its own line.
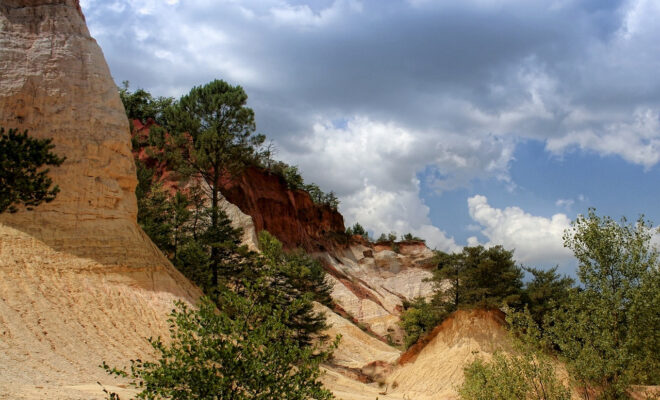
pixel 605 330
pixel 166 113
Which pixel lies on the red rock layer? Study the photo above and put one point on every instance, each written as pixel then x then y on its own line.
pixel 290 215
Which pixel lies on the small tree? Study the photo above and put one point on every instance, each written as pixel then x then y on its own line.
pixel 23 179
pixel 608 330
pixel 294 276
pixel 241 352
pixel 545 292
pixel 357 229
pixel 478 277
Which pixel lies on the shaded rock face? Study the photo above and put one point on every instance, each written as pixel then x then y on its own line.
pixel 56 84
pixel 290 215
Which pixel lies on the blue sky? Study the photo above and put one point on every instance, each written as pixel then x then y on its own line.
pixel 479 121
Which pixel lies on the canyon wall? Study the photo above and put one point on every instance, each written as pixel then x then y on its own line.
pixel 80 282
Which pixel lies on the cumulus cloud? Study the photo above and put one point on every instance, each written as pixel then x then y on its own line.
pixel 535 239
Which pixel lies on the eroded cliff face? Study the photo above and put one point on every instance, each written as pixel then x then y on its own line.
pixel 56 84
pixel 371 281
pixel 79 281
pixel 290 215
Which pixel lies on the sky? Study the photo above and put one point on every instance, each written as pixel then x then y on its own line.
pixel 463 122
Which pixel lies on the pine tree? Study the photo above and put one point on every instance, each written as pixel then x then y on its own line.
pixel 23 180
pixel 212 138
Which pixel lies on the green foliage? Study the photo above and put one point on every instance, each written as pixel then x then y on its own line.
pixel 409 237
pixel 141 105
pixel 242 351
pixel 545 292
pixel 418 318
pixel 608 330
pixel 513 377
pixel 478 277
pixel 357 229
pixel 23 180
pixel 155 217
pixel 295 275
pixel 295 181
pixel 390 237
pixel 526 372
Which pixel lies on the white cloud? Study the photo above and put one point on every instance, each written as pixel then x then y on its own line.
pixel 635 138
pixel 535 239
pixel 565 203
pixel 373 167
pixel 303 16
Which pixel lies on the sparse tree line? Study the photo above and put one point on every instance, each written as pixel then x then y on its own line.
pixel 390 237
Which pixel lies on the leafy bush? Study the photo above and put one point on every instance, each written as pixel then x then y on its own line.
pixel 607 331
pixel 526 372
pixel 418 318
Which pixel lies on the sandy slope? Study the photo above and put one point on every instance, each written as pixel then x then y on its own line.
pixel 61 315
pixel 437 369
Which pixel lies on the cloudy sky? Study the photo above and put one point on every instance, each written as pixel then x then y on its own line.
pixel 464 122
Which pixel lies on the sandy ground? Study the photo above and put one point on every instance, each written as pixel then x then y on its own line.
pixel 61 316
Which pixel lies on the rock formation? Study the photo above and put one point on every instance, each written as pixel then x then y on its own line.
pixel 79 281
pixel 371 282
pixel 56 84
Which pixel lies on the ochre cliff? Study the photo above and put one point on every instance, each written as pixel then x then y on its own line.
pixel 290 215
pixel 79 281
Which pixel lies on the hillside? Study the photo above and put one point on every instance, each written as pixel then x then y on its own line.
pixel 81 283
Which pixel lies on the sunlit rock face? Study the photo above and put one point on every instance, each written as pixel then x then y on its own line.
pixel 56 84
pixel 370 282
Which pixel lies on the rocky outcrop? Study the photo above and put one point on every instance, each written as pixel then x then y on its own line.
pixel 79 281
pixel 370 282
